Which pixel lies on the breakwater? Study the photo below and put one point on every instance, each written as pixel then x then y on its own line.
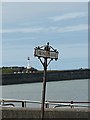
pixel 19 78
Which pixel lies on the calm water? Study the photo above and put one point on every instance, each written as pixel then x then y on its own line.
pixel 63 90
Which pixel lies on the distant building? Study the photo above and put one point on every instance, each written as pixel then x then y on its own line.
pixel 31 70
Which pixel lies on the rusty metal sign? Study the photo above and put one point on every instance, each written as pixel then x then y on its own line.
pixel 47 54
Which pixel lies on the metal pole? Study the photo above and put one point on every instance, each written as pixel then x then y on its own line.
pixel 44 88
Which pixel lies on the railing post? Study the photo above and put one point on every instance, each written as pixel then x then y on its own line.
pixel 3 102
pixel 46 105
pixel 71 104
pixel 22 103
pixel 25 104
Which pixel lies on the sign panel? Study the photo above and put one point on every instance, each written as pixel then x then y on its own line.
pixel 47 54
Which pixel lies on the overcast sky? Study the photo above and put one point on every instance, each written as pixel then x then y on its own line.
pixel 26 25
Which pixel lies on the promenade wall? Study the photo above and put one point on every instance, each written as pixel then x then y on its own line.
pixel 66 113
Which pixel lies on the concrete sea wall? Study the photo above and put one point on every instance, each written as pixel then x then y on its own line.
pixel 8 79
pixel 66 113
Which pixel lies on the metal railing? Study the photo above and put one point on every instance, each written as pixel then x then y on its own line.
pixel 10 102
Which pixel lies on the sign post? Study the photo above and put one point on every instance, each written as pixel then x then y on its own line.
pixel 44 88
pixel 45 52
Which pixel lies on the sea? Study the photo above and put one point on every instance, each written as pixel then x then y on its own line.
pixel 70 90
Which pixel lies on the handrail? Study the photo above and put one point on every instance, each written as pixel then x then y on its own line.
pixel 47 103
pixel 72 102
pixel 15 100
pixel 3 101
